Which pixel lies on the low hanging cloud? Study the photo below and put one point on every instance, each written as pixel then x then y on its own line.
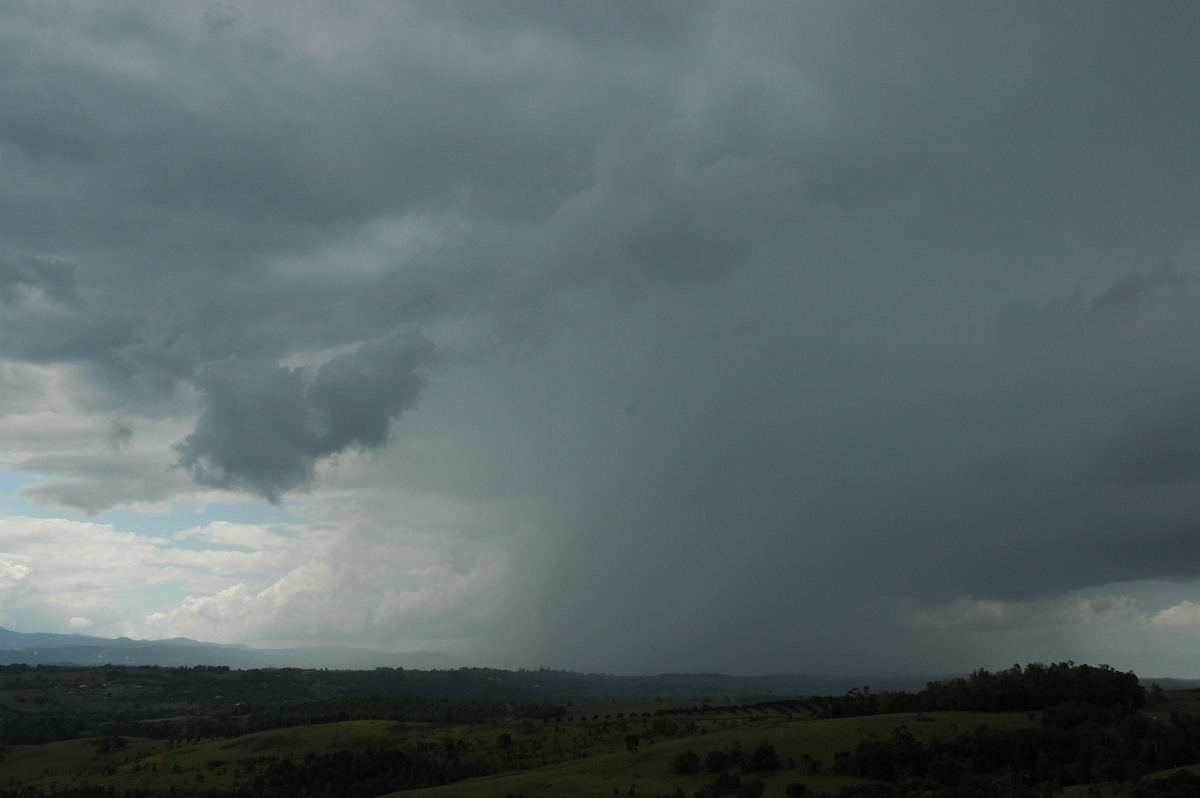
pixel 265 427
pixel 1071 610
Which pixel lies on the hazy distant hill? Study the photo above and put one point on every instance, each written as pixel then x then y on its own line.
pixel 73 649
pixel 40 648
pixel 1171 684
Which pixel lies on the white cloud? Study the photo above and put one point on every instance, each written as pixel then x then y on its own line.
pixel 11 573
pixel 403 571
pixel 377 602
pixel 75 569
pixel 227 533
pixel 14 578
pixel 1185 613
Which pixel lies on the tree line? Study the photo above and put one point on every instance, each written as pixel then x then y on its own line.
pixel 1029 689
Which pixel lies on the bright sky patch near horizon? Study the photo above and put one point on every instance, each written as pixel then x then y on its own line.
pixel 623 336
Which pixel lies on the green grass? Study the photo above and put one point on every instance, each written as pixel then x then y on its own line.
pixel 220 764
pixel 73 761
pixel 649 770
pixel 293 742
pixel 580 757
pixel 1184 701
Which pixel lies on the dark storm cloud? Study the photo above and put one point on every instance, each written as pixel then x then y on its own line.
pixel 614 24
pixel 177 155
pixel 20 276
pixel 119 434
pixel 902 295
pixel 264 427
pixel 1156 434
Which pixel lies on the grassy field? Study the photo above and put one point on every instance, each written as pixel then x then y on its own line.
pixel 648 771
pixel 586 755
pixel 601 750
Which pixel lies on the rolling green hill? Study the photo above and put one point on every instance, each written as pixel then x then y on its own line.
pixel 1040 731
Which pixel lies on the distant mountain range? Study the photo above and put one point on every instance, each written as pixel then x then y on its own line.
pixel 42 648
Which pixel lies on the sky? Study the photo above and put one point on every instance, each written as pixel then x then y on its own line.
pixel 630 337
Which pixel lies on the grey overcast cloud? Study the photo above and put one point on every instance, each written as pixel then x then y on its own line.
pixel 617 336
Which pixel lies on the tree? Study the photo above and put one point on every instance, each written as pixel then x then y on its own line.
pixel 764 757
pixel 686 762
